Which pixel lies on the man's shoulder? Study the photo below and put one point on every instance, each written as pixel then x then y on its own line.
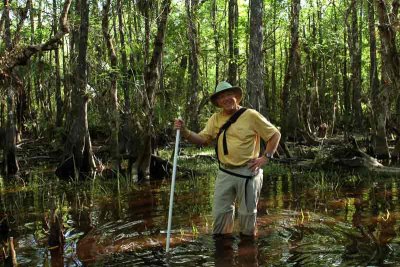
pixel 251 112
pixel 214 117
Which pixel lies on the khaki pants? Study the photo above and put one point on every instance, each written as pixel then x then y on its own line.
pixel 228 189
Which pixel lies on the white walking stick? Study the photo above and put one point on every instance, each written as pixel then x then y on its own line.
pixel 171 196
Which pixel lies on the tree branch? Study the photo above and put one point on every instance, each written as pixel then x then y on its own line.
pixel 24 14
pixel 20 56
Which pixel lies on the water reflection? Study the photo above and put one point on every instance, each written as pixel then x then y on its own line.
pixel 301 222
pixel 224 255
pixel 248 252
pixel 231 251
pixel 57 257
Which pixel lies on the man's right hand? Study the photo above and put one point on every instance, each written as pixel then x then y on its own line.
pixel 187 134
pixel 179 124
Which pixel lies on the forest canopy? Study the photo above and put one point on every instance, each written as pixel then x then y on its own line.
pixel 120 71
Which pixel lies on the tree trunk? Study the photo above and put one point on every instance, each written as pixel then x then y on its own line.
pixel 11 59
pixel 273 103
pixel 233 17
pixel 124 59
pixel 346 90
pixel 214 16
pixel 180 79
pixel 78 156
pixel 255 65
pixel 315 107
pixel 373 71
pixel 151 77
pixel 22 107
pixel 58 99
pixel 307 115
pixel 9 152
pixel 10 157
pixel 390 75
pixel 192 108
pixel 291 86
pixel 39 93
pixel 21 97
pixel 312 108
pixel 73 43
pixel 355 63
pixel 30 80
pixel 113 98
pixel 336 77
pixel 145 7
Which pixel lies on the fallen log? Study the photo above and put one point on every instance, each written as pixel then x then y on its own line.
pixel 344 156
pixel 350 156
pixel 161 168
pixel 310 140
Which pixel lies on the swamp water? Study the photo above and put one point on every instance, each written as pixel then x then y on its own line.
pixel 303 220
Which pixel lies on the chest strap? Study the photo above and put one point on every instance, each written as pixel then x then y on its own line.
pixel 224 128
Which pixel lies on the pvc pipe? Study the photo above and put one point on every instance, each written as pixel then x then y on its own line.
pixel 171 196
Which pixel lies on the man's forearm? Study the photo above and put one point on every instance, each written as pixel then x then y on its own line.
pixel 193 137
pixel 272 144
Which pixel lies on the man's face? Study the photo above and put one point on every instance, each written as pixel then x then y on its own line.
pixel 227 100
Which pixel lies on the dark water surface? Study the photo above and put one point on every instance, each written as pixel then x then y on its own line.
pixel 303 221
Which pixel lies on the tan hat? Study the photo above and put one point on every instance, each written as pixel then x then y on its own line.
pixel 222 87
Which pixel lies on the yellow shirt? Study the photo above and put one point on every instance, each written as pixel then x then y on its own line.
pixel 242 137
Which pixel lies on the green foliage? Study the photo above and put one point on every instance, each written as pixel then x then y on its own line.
pixel 325 183
pixel 322 47
pixel 275 169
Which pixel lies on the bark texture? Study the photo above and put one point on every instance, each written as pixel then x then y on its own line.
pixel 78 158
pixel 290 91
pixel 255 66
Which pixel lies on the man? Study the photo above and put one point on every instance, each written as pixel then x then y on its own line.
pixel 238 148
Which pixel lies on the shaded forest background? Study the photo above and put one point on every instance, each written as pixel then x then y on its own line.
pixel 119 71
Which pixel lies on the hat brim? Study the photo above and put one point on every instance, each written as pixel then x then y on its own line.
pixel 236 89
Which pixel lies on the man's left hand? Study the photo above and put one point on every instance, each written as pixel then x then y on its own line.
pixel 255 164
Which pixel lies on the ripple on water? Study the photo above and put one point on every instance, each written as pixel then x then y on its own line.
pixel 193 253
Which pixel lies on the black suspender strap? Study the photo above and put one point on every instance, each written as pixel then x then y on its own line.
pixel 225 127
